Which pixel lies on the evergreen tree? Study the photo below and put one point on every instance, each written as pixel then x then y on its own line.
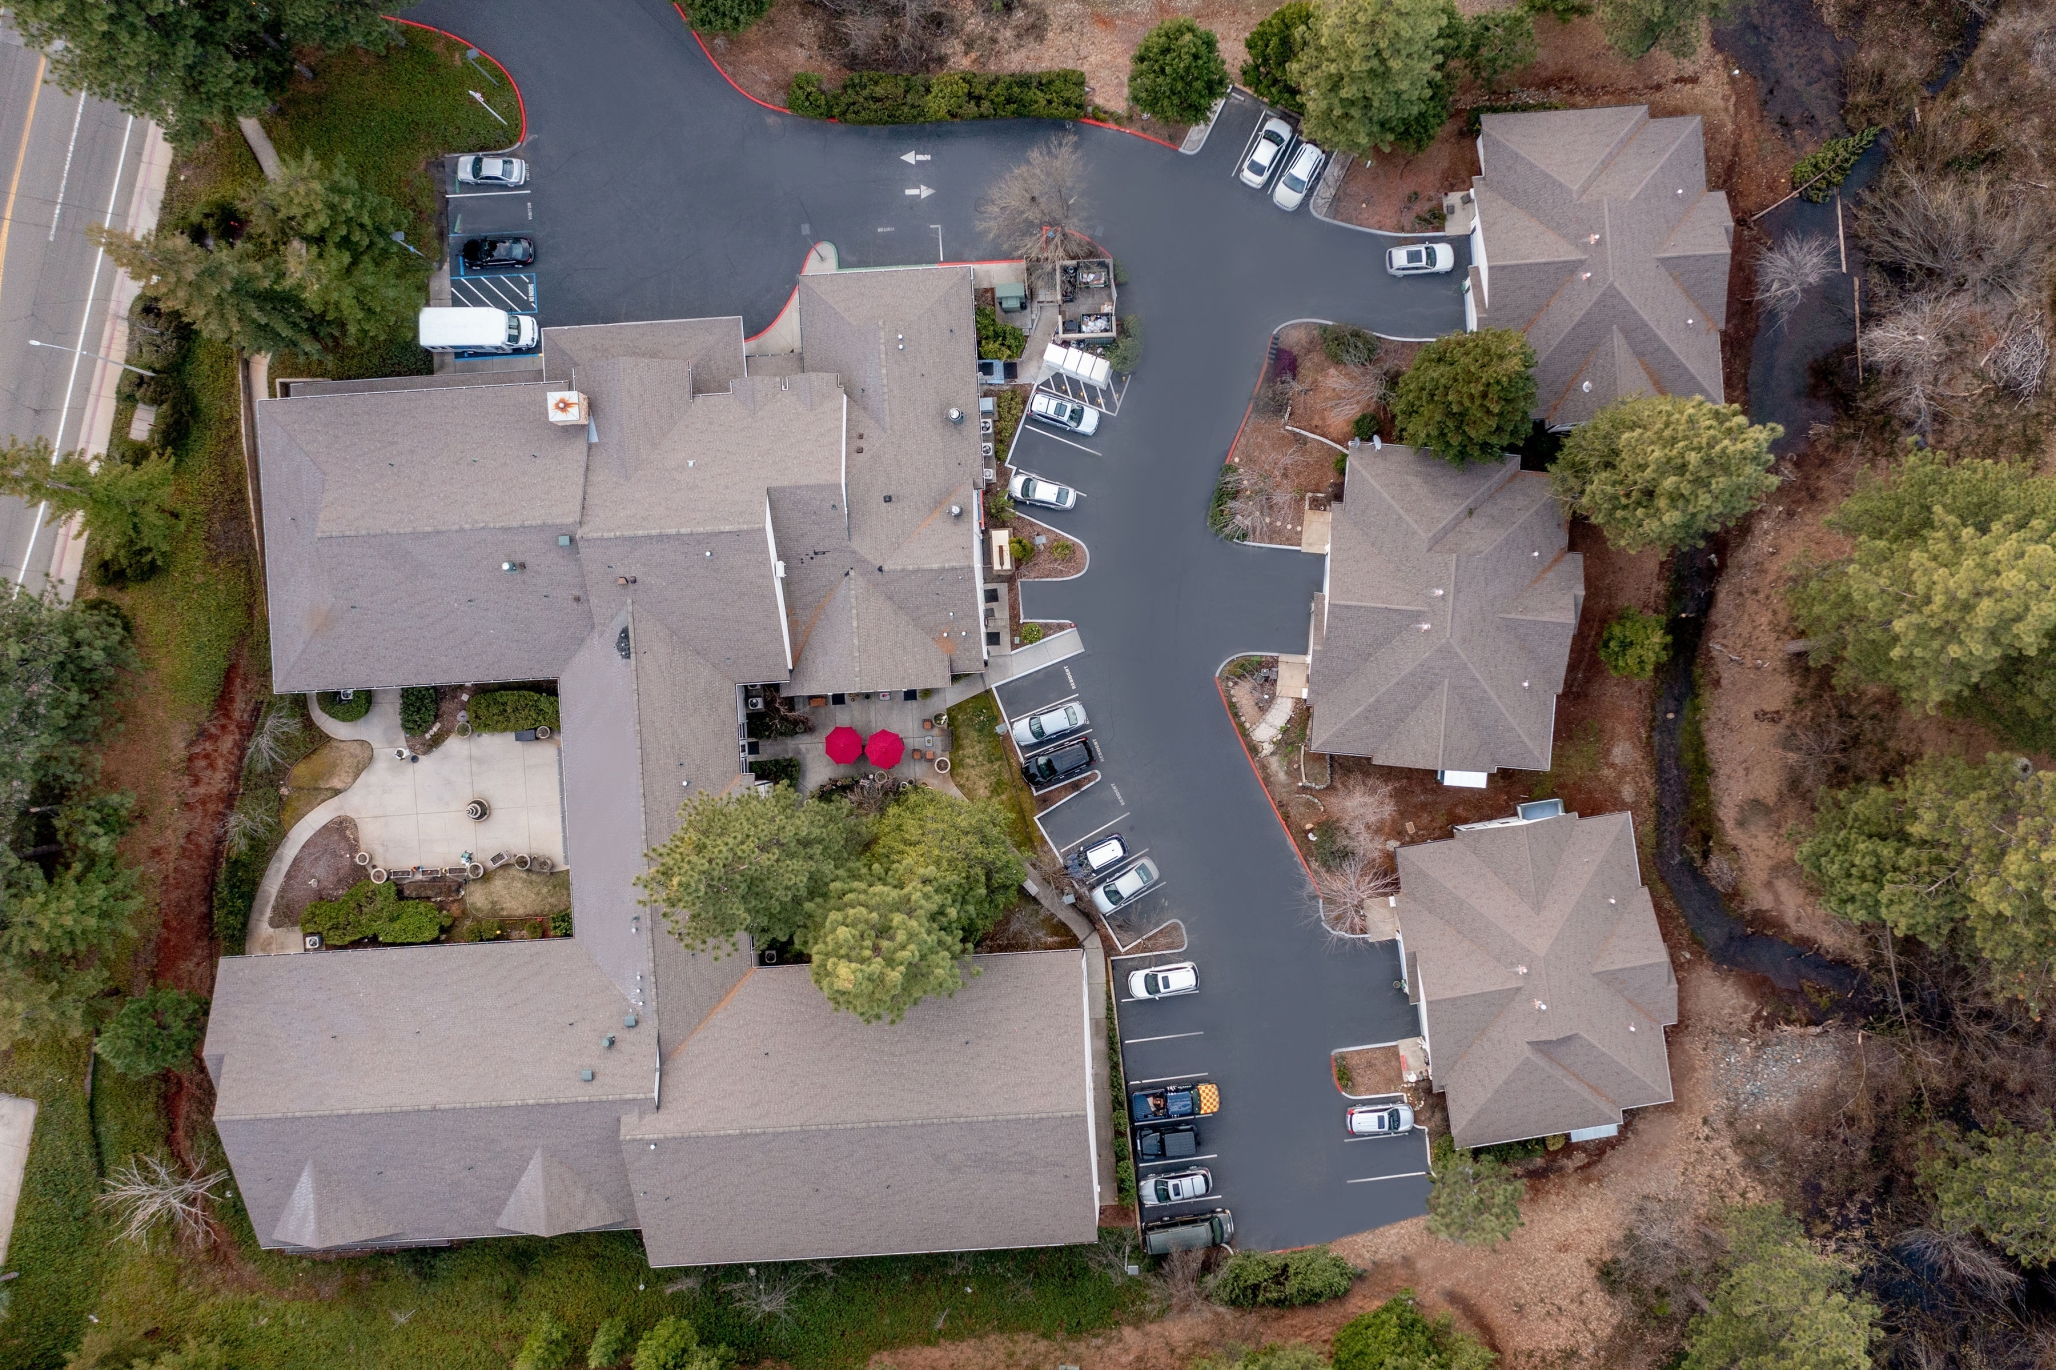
pixel 1781 1305
pixel 1494 45
pixel 1635 27
pixel 1664 471
pixel 1473 1199
pixel 157 1030
pixel 1372 73
pixel 673 1345
pixel 959 851
pixel 749 863
pixel 126 509
pixel 1467 396
pixel 2002 1183
pixel 1272 45
pixel 1177 72
pixel 882 948
pixel 548 1346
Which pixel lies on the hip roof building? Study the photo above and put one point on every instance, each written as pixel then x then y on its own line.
pixel 804 520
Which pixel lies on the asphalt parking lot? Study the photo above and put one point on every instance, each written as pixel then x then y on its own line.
pixel 667 194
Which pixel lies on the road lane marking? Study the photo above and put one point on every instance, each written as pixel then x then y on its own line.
pixel 65 179
pixel 21 155
pixel 1167 1037
pixel 1373 1179
pixel 480 194
pixel 1161 1079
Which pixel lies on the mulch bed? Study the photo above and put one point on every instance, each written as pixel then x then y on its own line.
pixel 324 868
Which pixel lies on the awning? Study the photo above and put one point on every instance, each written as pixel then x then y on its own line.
pixel 885 749
pixel 845 745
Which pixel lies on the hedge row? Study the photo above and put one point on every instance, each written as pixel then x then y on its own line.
pixel 879 97
pixel 512 711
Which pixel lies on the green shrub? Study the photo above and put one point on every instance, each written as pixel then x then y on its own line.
pixel 1820 172
pixel 1365 426
pixel 1177 72
pixel 779 770
pixel 998 508
pixel 235 889
pixel 997 340
pixel 1475 113
pixel 1635 644
pixel 1283 1279
pixel 344 710
pixel 727 16
pixel 560 923
pixel 548 1347
pixel 1063 549
pixel 153 1031
pixel 509 711
pixel 1347 345
pixel 1562 11
pixel 881 97
pixel 1021 548
pixel 1031 633
pixel 610 1344
pixel 1007 408
pixel 673 1345
pixel 1126 352
pixel 1395 1336
pixel 368 911
pixel 1271 46
pixel 1473 1199
pixel 417 710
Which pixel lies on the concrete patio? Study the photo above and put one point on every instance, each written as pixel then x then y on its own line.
pixel 867 713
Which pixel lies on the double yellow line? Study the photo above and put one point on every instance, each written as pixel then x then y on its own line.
pixel 21 155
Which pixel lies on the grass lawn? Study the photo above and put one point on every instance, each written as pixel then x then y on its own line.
pixel 984 769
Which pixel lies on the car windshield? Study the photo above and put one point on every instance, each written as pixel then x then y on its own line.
pixel 513 329
pixel 1293 181
pixel 478 166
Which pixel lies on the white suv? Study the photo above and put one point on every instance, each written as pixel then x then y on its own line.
pixel 1082 419
pixel 1419 259
pixel 1300 177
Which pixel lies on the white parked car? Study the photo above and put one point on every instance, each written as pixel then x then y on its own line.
pixel 1266 152
pixel 1379 1120
pixel 1102 855
pixel 1036 729
pixel 1420 259
pixel 1161 982
pixel 1082 419
pixel 492 171
pixel 1300 177
pixel 1155 1190
pixel 1124 887
pixel 1030 489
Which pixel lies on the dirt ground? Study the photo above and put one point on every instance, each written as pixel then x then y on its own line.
pixel 1371 1070
pixel 1028 927
pixel 511 893
pixel 1043 564
pixel 325 868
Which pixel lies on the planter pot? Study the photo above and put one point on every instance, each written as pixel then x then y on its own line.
pixel 461 730
pixel 542 865
pixel 378 875
pixel 544 733
pixel 478 810
pixel 363 858
pixel 521 862
pixel 474 871
pixel 942 765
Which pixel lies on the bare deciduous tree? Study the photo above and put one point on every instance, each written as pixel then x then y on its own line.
pixel 1037 209
pixel 765 1294
pixel 1788 269
pixel 278 730
pixel 2020 359
pixel 1362 806
pixel 1343 392
pixel 241 828
pixel 146 1191
pixel 1919 347
pixel 1353 892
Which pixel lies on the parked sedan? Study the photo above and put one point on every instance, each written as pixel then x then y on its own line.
pixel 1047 494
pixel 1176 1187
pixel 1161 982
pixel 1379 1120
pixel 1059 764
pixel 1124 887
pixel 1031 732
pixel 484 254
pixel 1099 858
pixel 1420 259
pixel 1174 1143
pixel 1081 419
pixel 1266 153
pixel 1299 178
pixel 492 171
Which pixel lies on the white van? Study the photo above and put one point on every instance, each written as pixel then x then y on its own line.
pixel 477 330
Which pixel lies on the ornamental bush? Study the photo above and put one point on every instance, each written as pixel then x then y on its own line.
pixel 1821 172
pixel 1177 72
pixel 548 1347
pixel 882 97
pixel 510 711
pixel 1031 633
pixel 610 1344
pixel 366 911
pixel 1347 345
pixel 727 16
pixel 417 710
pixel 1635 644
pixel 344 710
pixel 997 339
pixel 1283 1279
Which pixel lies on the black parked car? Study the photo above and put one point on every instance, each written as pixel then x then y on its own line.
pixel 484 254
pixel 1056 766
pixel 1167 1143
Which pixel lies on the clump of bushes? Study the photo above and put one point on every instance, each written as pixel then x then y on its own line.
pixel 1063 549
pixel 1007 408
pixel 997 339
pixel 1283 1279
pixel 1126 353
pixel 1031 633
pixel 152 1032
pixel 417 710
pixel 727 16
pixel 1365 426
pixel 343 710
pixel 1397 1333
pixel 880 97
pixel 1347 345
pixel 778 770
pixel 1821 171
pixel 1635 644
pixel 511 711
pixel 366 911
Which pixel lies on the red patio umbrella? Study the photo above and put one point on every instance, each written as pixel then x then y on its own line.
pixel 845 744
pixel 885 749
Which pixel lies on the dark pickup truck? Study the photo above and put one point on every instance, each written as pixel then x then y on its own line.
pixel 1059 764
pixel 1167 1143
pixel 1174 1103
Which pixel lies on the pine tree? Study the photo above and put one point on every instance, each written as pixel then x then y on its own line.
pixel 1372 73
pixel 157 1030
pixel 1272 45
pixel 749 863
pixel 1781 1305
pixel 959 851
pixel 882 948
pixel 1664 471
pixel 126 509
pixel 2002 1183
pixel 1467 396
pixel 1473 1199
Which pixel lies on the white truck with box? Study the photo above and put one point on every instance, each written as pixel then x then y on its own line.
pixel 477 330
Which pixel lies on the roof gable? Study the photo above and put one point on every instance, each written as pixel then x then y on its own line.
pixel 550 1200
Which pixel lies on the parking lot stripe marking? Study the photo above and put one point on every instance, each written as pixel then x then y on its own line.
pixel 1210 1156
pixel 1051 436
pixel 1094 833
pixel 1117 794
pixel 480 194
pixel 1373 1179
pixel 1162 1079
pixel 1167 1037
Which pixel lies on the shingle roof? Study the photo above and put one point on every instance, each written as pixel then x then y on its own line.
pixel 1602 243
pixel 1441 638
pixel 789 1130
pixel 1544 981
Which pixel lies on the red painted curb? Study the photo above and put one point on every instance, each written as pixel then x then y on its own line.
pixel 781 109
pixel 1132 133
pixel 1259 775
pixel 511 82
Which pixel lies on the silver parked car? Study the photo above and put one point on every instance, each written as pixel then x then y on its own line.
pixel 1300 177
pixel 1025 488
pixel 1266 152
pixel 1176 1187
pixel 1031 732
pixel 1420 259
pixel 492 171
pixel 1126 886
pixel 1081 419
pixel 1161 982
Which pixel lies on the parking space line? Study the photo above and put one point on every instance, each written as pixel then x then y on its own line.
pixel 1373 1179
pixel 1164 1079
pixel 1065 441
pixel 1187 1160
pixel 1089 836
pixel 480 194
pixel 1167 1037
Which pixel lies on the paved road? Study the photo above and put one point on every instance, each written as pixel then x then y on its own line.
pixel 657 192
pixel 60 160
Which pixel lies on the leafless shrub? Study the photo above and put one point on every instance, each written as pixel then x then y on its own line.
pixel 1919 349
pixel 873 794
pixel 1353 893
pixel 1720 870
pixel 2020 358
pixel 891 35
pixel 1963 1260
pixel 1181 1282
pixel 765 1296
pixel 1817 746
pixel 1256 500
pixel 1115 1253
pixel 1667 1249
pixel 146 1191
pixel 274 736
pixel 241 828
pixel 1363 806
pixel 1343 392
pixel 1958 233
pixel 1786 271
pixel 1037 208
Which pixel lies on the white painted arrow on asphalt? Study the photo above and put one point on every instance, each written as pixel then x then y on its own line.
pixel 923 191
pixel 912 157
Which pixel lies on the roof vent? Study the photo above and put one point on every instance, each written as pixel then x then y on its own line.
pixel 510 567
pixel 567 406
pixel 956 511
pixel 956 415
pixel 586 1075
pixel 1586 387
pixel 621 642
